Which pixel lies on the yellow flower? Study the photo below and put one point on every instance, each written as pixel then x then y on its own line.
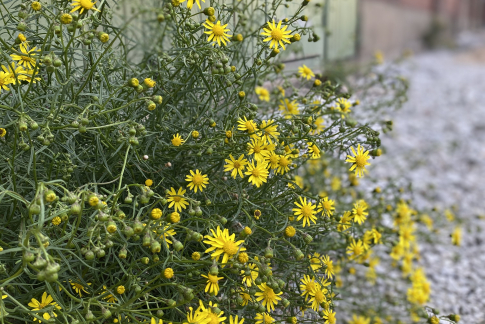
pixel 46 301
pixel 290 231
pixel 36 6
pixel 259 148
pixel 243 257
pixel 329 268
pixel 235 166
pixel 276 35
pixel 288 108
pixel 197 317
pixel 258 174
pixel 223 244
pixel 148 182
pixel 305 72
pixel 313 150
pixel 109 297
pixel 120 289
pixel 5 78
pixel 355 249
pixel 28 59
pixel 344 105
pixel 177 140
pixel 93 201
pixel 214 318
pixel 317 298
pixel 359 320
pixel 269 130
pixel 246 125
pixel 156 213
pixel 268 296
pixel 174 217
pixel 456 237
pixel 65 18
pixel 190 3
pixel 359 212
pixel 176 199
pixel 156 321
pixel 212 284
pixel 56 220
pixel 272 160
pixel 329 316
pixel 263 318
pixel 326 206
pixel 315 261
pixel 308 286
pixel 168 273
pixel 149 83
pixel 79 288
pixel 257 214
pixel 249 278
pixel 82 5
pixel 284 162
pixel 195 134
pixel 245 296
pixel 359 160
pixel 197 180
pixel 282 91
pixel 196 256
pixel 305 210
pixel 217 32
pixel 263 93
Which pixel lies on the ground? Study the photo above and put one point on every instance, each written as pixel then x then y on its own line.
pixel 438 144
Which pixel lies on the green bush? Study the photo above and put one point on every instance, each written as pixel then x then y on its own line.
pixel 150 168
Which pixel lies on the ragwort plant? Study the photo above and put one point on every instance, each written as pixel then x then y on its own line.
pixel 157 183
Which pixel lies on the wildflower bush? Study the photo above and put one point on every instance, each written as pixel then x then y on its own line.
pixel 178 172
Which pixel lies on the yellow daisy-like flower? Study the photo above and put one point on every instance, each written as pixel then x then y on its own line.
pixel 344 105
pixel 190 3
pixel 177 140
pixel 288 108
pixel 263 93
pixel 456 237
pixel 120 290
pixel 359 320
pixel 28 58
pixel 329 267
pixel 359 160
pixel 329 316
pixel 197 180
pixel 214 318
pixel 355 249
pixel 236 166
pixel 317 298
pixel 197 317
pixel 258 174
pixel 109 297
pixel 359 212
pixel 313 150
pixel 284 162
pixel 305 210
pixel 315 261
pixel 148 182
pixel 46 300
pixel 327 206
pixel 223 244
pixel 264 318
pixel 5 78
pixel 235 320
pixel 259 148
pixel 176 199
pixel 305 72
pixel 56 220
pixel 308 286
pixel 247 125
pixel 217 32
pixel 3 132
pixel 156 321
pixel 268 296
pixel 269 130
pixel 79 288
pixel 245 296
pixel 36 6
pixel 82 5
pixel 212 284
pixel 249 278
pixel 276 35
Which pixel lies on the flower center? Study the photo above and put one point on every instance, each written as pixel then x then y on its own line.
pixel 176 141
pixel 257 149
pixel 273 159
pixel 357 250
pixel 214 318
pixel 213 279
pixel 237 165
pixel 326 205
pixel 230 248
pixel 217 30
pixel 284 162
pixel 310 286
pixel 358 211
pixel 306 211
pixel 256 173
pixel 176 198
pixel 276 34
pixel 269 294
pixel 360 160
pixel 319 296
pixel 197 179
pixel 306 70
pixel 86 4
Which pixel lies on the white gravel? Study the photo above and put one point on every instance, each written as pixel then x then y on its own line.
pixel 438 143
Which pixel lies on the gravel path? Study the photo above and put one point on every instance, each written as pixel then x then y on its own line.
pixel 438 143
